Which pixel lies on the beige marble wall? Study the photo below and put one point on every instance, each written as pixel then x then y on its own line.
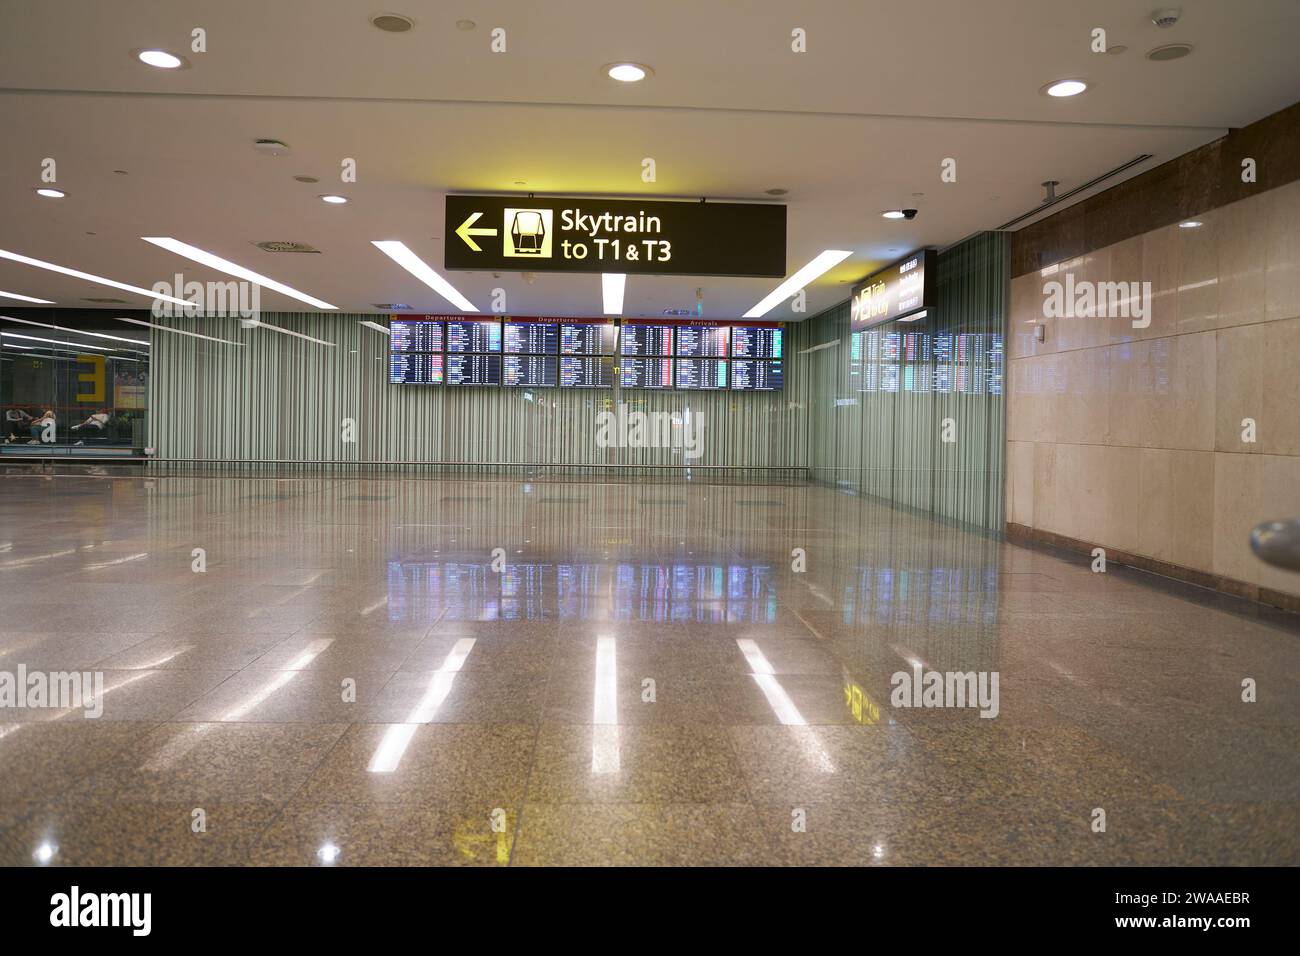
pixel 1132 438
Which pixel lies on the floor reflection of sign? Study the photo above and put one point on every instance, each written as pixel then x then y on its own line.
pixel 862 707
pixel 527 233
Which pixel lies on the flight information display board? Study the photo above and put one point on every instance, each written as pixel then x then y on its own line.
pixel 757 343
pixel 702 373
pixel 646 372
pixel 473 370
pixel 586 372
pixel 753 375
pixel 538 371
pixel 532 338
pixel 415 335
pixel 696 341
pixel 474 336
pixel 647 340
pixel 587 338
pixel 414 368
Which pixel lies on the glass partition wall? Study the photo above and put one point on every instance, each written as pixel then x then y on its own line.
pixel 72 381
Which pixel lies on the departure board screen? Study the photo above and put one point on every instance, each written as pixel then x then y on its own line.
pixel 480 336
pixel 701 373
pixel 586 372
pixel 646 372
pixel 538 371
pixel 647 340
pixel 414 368
pixel 532 338
pixel 473 369
pixel 750 375
pixel 587 338
pixel 697 341
pixel 750 342
pixel 414 335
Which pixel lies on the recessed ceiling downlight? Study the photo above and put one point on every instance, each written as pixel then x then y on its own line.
pixel 1170 51
pixel 1062 88
pixel 628 72
pixel 49 193
pixel 391 22
pixel 334 200
pixel 892 214
pixel 160 59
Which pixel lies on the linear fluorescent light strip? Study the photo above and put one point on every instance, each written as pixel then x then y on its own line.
pixel 823 263
pixel 301 335
pixel 100 280
pixel 408 260
pixel 377 327
pixel 198 255
pixel 60 328
pixel 24 298
pixel 167 328
pixel 611 287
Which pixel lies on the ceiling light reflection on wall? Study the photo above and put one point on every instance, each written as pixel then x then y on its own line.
pixel 195 254
pixel 823 263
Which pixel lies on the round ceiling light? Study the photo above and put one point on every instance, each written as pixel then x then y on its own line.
pixel 1065 88
pixel 893 214
pixel 334 200
pixel 628 72
pixel 160 59
pixel 1170 51
pixel 391 22
pixel 49 193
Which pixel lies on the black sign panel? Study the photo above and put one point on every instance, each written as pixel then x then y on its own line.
pixel 904 288
pixel 644 237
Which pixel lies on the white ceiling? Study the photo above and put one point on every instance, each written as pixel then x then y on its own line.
pixel 856 125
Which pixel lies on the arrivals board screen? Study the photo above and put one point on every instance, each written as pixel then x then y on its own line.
pixel 476 336
pixel 587 338
pixel 532 338
pixel 695 341
pixel 756 343
pixel 647 340
pixel 537 371
pixel 646 372
pixel 586 372
pixel 414 335
pixel 414 368
pixel 473 369
pixel 702 373
pixel 753 375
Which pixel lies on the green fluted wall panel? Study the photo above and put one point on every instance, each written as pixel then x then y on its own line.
pixel 276 397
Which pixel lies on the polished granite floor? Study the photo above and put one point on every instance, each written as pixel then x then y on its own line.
pixel 636 676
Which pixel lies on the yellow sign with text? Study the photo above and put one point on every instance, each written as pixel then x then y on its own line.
pixel 95 378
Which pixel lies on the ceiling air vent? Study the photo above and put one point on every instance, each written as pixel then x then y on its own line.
pixel 278 245
pixel 677 311
pixel 390 306
pixel 106 301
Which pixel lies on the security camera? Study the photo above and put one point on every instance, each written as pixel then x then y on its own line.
pixel 909 213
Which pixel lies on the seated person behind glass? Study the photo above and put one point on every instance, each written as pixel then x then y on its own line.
pixel 38 426
pixel 98 421
pixel 16 420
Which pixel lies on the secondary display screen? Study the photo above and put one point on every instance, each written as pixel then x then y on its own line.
pixel 414 368
pixel 703 341
pixel 586 372
pixel 587 338
pixel 647 340
pixel 750 342
pixel 532 338
pixel 646 372
pixel 701 373
pixel 473 369
pixel 538 371
pixel 414 335
pixel 749 375
pixel 480 336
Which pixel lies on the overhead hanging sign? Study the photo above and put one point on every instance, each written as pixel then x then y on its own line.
pixel 641 237
pixel 901 291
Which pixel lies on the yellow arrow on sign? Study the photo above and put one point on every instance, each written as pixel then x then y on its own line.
pixel 464 231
